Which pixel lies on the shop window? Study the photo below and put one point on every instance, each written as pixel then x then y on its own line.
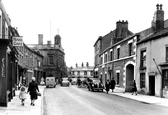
pixel 142 80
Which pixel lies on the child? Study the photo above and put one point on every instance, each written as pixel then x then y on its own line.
pixel 22 94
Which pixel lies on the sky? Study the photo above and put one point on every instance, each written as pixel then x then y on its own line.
pixel 80 22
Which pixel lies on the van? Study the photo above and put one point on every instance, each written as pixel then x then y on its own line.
pixel 50 82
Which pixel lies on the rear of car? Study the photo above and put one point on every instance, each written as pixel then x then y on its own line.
pixel 50 82
pixel 65 82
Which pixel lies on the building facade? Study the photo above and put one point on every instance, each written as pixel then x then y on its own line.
pixel 82 71
pixel 53 62
pixel 152 55
pixel 111 53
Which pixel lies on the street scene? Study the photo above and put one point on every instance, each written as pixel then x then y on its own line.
pixel 87 57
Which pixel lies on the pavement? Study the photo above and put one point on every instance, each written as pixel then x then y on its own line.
pixel 15 108
pixel 147 99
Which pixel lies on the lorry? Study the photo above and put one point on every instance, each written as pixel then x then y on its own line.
pixel 50 82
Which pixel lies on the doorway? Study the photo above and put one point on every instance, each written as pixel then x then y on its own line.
pixel 129 77
pixel 152 85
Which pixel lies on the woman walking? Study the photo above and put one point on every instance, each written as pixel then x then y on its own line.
pixel 112 84
pixel 33 90
pixel 107 85
pixel 134 89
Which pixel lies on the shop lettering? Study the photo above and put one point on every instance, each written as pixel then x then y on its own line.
pixel 3 67
pixel 17 41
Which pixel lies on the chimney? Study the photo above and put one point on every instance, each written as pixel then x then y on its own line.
pixel 121 31
pixel 49 43
pixel 82 64
pixel 87 64
pixel 158 19
pixel 76 65
pixel 40 39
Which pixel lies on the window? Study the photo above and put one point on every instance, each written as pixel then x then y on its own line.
pixel 101 59
pixel 85 72
pixel 130 49
pixel 166 54
pixel 143 58
pixel 142 80
pixel 78 72
pixel 51 59
pixel 118 78
pixel 165 78
pixel 105 57
pixel 111 55
pixel 118 53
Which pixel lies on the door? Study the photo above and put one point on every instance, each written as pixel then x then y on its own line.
pixel 152 85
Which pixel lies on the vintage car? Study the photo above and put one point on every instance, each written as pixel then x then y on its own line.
pixel 73 81
pixel 65 82
pixel 95 85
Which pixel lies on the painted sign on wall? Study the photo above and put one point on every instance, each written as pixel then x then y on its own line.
pixel 3 67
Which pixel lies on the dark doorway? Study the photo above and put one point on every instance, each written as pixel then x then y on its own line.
pixel 152 85
pixel 129 77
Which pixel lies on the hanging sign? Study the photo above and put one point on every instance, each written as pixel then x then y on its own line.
pixel 17 41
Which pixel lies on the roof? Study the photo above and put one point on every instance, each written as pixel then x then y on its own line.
pixel 155 35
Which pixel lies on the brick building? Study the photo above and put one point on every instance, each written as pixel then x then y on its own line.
pixel 110 53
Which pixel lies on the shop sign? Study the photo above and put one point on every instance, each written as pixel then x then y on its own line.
pixel 17 41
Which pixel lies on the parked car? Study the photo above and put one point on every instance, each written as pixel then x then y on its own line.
pixel 50 82
pixel 65 82
pixel 95 85
pixel 73 81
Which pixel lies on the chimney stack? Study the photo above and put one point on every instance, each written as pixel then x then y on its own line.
pixel 82 64
pixel 40 39
pixel 76 65
pixel 87 64
pixel 121 30
pixel 158 19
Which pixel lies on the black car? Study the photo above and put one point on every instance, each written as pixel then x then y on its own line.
pixel 95 85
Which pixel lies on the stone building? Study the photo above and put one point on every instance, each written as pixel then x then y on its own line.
pixel 53 61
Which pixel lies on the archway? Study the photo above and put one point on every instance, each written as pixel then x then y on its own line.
pixel 129 77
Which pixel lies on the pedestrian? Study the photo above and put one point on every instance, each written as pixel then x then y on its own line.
pixel 134 89
pixel 22 94
pixel 107 85
pixel 33 90
pixel 112 84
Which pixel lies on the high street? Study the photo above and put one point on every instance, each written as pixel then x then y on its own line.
pixel 79 101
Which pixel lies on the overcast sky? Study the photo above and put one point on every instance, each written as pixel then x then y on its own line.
pixel 80 22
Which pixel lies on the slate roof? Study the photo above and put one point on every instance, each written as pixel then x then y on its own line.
pixel 155 35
